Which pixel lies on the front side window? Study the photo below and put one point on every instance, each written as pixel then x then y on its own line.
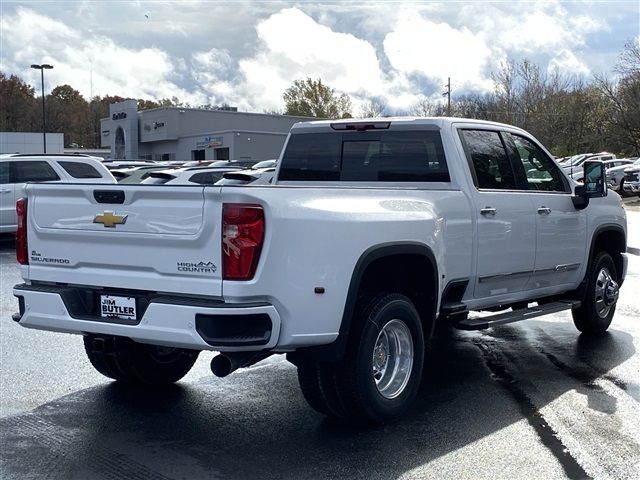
pixel 33 171
pixel 539 171
pixel 80 170
pixel 489 160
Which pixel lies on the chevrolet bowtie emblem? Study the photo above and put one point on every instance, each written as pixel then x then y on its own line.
pixel 108 219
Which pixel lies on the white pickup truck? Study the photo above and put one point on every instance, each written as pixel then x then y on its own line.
pixel 371 232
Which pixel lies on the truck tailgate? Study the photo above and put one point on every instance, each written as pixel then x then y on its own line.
pixel 145 237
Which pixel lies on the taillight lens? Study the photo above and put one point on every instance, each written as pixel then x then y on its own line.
pixel 242 238
pixel 22 250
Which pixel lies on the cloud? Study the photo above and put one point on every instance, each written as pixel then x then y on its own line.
pixel 437 51
pixel 565 61
pixel 87 63
pixel 293 46
pixel 247 54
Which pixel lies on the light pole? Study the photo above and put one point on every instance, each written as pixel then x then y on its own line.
pixel 42 68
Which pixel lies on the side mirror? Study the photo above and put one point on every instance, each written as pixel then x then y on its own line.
pixel 594 186
pixel 595 179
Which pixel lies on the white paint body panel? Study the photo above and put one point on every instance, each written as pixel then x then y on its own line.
pixel 315 235
pixel 141 254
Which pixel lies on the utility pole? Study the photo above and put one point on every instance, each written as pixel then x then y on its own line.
pixel 448 95
pixel 42 68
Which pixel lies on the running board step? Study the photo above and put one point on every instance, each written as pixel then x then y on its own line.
pixel 482 323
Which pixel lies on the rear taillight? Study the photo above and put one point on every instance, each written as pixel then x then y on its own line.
pixel 22 250
pixel 242 238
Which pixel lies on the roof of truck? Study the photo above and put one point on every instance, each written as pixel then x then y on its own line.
pixel 434 121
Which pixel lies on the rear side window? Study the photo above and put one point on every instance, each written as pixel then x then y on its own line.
pixel 80 170
pixel 489 160
pixel 388 156
pixel 33 171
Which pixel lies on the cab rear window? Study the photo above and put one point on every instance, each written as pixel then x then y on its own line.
pixel 371 156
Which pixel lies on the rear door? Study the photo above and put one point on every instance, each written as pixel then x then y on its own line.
pixel 164 239
pixel 505 222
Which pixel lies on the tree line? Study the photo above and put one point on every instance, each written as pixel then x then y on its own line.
pixel 567 113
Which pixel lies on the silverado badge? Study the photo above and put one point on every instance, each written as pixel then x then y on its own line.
pixel 109 219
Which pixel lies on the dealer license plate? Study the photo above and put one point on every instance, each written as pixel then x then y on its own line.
pixel 123 308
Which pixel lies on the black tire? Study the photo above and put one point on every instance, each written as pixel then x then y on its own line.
pixel 127 361
pixel 361 398
pixel 318 384
pixel 621 190
pixel 594 315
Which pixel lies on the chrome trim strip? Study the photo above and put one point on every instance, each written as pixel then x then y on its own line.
pixel 566 267
pixel 558 268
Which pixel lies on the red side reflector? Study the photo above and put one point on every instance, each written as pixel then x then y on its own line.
pixel 22 250
pixel 242 238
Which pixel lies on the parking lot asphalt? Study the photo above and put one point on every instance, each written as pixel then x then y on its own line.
pixel 528 400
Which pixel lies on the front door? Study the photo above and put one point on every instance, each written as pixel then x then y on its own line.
pixel 561 230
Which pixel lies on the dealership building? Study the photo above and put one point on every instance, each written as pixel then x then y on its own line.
pixel 174 133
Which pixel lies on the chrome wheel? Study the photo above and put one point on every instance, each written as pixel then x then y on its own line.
pixel 606 292
pixel 393 359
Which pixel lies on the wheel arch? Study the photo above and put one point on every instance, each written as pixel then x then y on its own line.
pixel 612 239
pixel 411 258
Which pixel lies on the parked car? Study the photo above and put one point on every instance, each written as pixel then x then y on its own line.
pixel 631 180
pixel 117 164
pixel 615 175
pixel 233 163
pixel 580 159
pixel 198 163
pixel 187 176
pixel 18 169
pixel 135 174
pixel 578 175
pixel 261 176
pixel 265 164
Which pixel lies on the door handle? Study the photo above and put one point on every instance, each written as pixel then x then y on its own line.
pixel 544 210
pixel 488 211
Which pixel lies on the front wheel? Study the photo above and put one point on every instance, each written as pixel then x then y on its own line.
pixel 594 315
pixel 130 362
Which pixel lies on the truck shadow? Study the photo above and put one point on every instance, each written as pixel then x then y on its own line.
pixel 255 423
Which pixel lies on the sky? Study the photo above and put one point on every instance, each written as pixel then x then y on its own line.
pixel 247 53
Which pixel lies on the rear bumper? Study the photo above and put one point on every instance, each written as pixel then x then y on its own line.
pixel 168 321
